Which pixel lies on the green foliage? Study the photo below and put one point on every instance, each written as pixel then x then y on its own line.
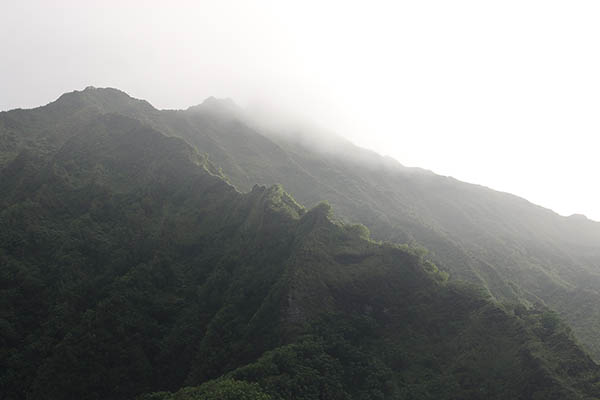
pixel 222 389
pixel 360 230
pixel 323 208
pixel 550 320
pixel 129 266
pixel 435 273
pixel 473 233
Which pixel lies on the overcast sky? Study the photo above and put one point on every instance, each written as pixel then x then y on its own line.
pixel 500 93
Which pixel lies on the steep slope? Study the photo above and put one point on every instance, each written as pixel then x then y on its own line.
pixel 45 129
pixel 128 265
pixel 97 257
pixel 519 251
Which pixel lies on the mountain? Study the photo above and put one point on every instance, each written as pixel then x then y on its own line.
pixel 520 252
pixel 139 255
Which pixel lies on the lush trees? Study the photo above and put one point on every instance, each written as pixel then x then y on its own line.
pixel 128 266
pixel 222 389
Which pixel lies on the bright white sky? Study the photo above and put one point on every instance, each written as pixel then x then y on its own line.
pixel 500 93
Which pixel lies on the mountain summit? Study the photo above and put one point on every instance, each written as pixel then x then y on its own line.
pixel 179 254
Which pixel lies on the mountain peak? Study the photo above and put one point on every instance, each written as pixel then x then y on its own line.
pixel 578 217
pixel 106 99
pixel 217 105
pixel 212 100
pixel 97 91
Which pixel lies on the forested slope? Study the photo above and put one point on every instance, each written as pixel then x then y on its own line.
pixel 520 252
pixel 130 266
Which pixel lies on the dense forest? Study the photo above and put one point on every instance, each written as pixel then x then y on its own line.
pixel 151 254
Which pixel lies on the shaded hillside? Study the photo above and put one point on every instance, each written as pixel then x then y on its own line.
pixel 129 266
pixel 519 251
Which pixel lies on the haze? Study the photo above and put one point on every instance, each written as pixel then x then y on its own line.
pixel 504 94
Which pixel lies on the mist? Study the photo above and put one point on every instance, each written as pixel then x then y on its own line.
pixel 503 95
pixel 277 200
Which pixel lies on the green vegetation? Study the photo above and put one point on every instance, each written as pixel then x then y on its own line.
pixel 222 389
pixel 129 268
pixel 518 251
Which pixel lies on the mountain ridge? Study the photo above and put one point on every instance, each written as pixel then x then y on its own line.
pixel 520 252
pixel 227 106
pixel 129 266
